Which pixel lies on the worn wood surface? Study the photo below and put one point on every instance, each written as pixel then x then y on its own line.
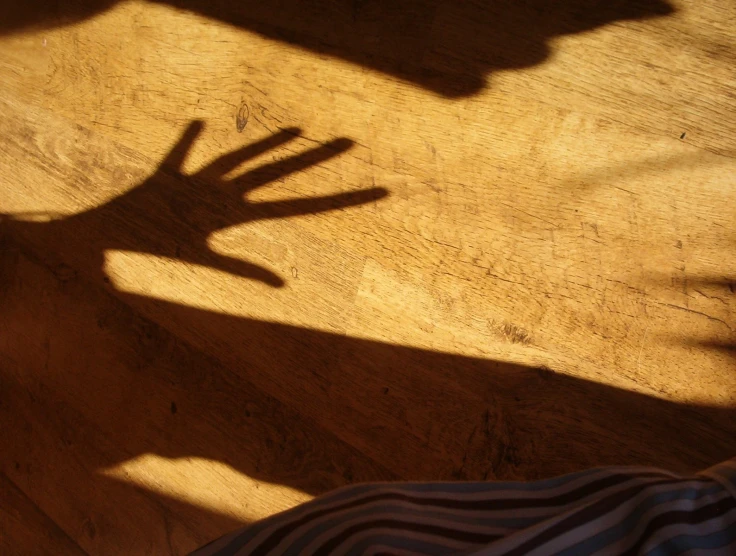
pixel 27 529
pixel 249 254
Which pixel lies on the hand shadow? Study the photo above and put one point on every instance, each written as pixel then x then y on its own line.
pixel 172 214
pixel 90 380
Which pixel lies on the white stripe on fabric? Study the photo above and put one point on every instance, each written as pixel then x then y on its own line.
pixel 392 488
pixel 677 504
pixel 703 528
pixel 605 521
pixel 334 532
pixel 525 535
pixel 400 518
pixel 623 544
pixel 530 512
pixel 452 544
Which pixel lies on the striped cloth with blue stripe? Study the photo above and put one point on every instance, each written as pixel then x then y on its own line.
pixel 614 510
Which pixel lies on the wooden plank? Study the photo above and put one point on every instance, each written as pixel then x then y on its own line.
pixel 415 411
pixel 25 529
pixel 129 438
pixel 658 65
pixel 54 455
pixel 498 247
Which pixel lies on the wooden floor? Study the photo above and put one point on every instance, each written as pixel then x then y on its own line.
pixel 253 251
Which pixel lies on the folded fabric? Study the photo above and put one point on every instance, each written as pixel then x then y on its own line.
pixel 613 510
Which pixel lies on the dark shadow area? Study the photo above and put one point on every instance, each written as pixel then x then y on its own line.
pixel 279 403
pixel 446 46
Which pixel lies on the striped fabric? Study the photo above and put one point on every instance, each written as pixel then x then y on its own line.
pixel 617 510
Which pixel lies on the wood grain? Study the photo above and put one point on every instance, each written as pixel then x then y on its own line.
pixel 23 527
pixel 90 385
pixel 251 254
